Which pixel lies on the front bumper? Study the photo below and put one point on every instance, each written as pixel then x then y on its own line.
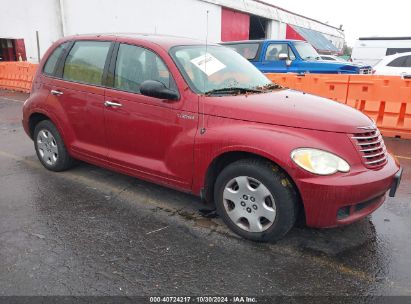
pixel 341 199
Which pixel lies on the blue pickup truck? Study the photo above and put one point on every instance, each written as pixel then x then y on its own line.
pixel 291 56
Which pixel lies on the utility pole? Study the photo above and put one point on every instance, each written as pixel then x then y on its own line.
pixel 62 18
pixel 38 46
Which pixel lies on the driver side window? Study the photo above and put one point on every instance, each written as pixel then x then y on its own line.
pixel 275 49
pixel 135 64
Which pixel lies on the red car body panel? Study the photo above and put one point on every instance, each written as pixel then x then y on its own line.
pixel 160 140
pixel 161 145
pixel 83 107
pixel 288 108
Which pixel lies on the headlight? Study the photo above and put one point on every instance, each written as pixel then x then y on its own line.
pixel 319 161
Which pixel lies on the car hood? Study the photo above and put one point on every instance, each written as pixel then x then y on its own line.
pixel 339 63
pixel 288 108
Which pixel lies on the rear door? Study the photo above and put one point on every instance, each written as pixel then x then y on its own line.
pixel 148 137
pixel 79 92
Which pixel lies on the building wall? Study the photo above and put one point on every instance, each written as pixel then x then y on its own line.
pixel 21 19
pixel 183 18
pixel 276 29
pixel 56 18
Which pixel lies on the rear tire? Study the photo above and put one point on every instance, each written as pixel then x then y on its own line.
pixel 256 200
pixel 50 148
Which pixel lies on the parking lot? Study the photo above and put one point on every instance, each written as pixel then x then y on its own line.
pixel 90 231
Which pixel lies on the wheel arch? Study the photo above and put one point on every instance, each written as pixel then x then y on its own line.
pixel 34 119
pixel 37 116
pixel 226 158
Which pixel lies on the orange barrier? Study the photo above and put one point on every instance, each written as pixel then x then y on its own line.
pixel 17 76
pixel 386 99
pixel 325 85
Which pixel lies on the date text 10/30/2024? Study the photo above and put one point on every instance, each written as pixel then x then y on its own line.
pixel 233 299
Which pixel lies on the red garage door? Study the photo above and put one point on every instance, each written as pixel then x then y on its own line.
pixel 12 50
pixel 20 49
pixel 234 25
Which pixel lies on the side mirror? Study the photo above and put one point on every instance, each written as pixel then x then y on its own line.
pixel 157 89
pixel 282 56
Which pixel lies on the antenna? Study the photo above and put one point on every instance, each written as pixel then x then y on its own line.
pixel 202 130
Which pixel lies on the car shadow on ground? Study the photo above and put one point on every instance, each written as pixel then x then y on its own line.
pixel 129 190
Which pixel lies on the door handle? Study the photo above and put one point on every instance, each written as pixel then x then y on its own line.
pixel 56 92
pixel 108 103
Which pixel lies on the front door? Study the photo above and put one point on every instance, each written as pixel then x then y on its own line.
pixel 148 137
pixel 271 62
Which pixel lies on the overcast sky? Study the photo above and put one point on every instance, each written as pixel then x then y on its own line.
pixel 360 18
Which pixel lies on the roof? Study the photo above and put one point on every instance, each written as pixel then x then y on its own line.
pixel 258 41
pixel 164 41
pixel 318 40
pixel 299 15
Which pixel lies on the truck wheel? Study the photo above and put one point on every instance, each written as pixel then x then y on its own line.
pixel 50 147
pixel 256 200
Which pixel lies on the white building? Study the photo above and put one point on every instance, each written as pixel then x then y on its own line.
pixel 20 20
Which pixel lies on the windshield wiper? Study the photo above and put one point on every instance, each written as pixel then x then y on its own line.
pixel 233 90
pixel 270 86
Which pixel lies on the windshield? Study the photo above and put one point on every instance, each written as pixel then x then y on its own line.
pixel 217 70
pixel 306 51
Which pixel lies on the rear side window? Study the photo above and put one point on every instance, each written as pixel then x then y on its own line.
pixel 85 62
pixel 392 51
pixel 408 62
pixel 398 62
pixel 52 61
pixel 135 65
pixel 247 50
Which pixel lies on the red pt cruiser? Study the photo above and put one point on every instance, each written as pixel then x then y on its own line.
pixel 202 119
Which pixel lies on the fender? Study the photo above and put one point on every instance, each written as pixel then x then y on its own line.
pixel 270 142
pixel 54 119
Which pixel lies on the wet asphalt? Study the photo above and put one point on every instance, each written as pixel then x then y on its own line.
pixel 90 231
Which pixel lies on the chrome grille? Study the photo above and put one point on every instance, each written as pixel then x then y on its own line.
pixel 366 71
pixel 371 147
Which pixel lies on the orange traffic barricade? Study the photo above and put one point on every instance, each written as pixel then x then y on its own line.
pixel 386 99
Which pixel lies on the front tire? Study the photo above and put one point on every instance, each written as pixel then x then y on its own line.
pixel 256 200
pixel 50 148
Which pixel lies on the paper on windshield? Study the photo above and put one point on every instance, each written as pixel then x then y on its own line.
pixel 208 64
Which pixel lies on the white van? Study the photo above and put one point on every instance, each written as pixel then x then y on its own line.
pixel 371 50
